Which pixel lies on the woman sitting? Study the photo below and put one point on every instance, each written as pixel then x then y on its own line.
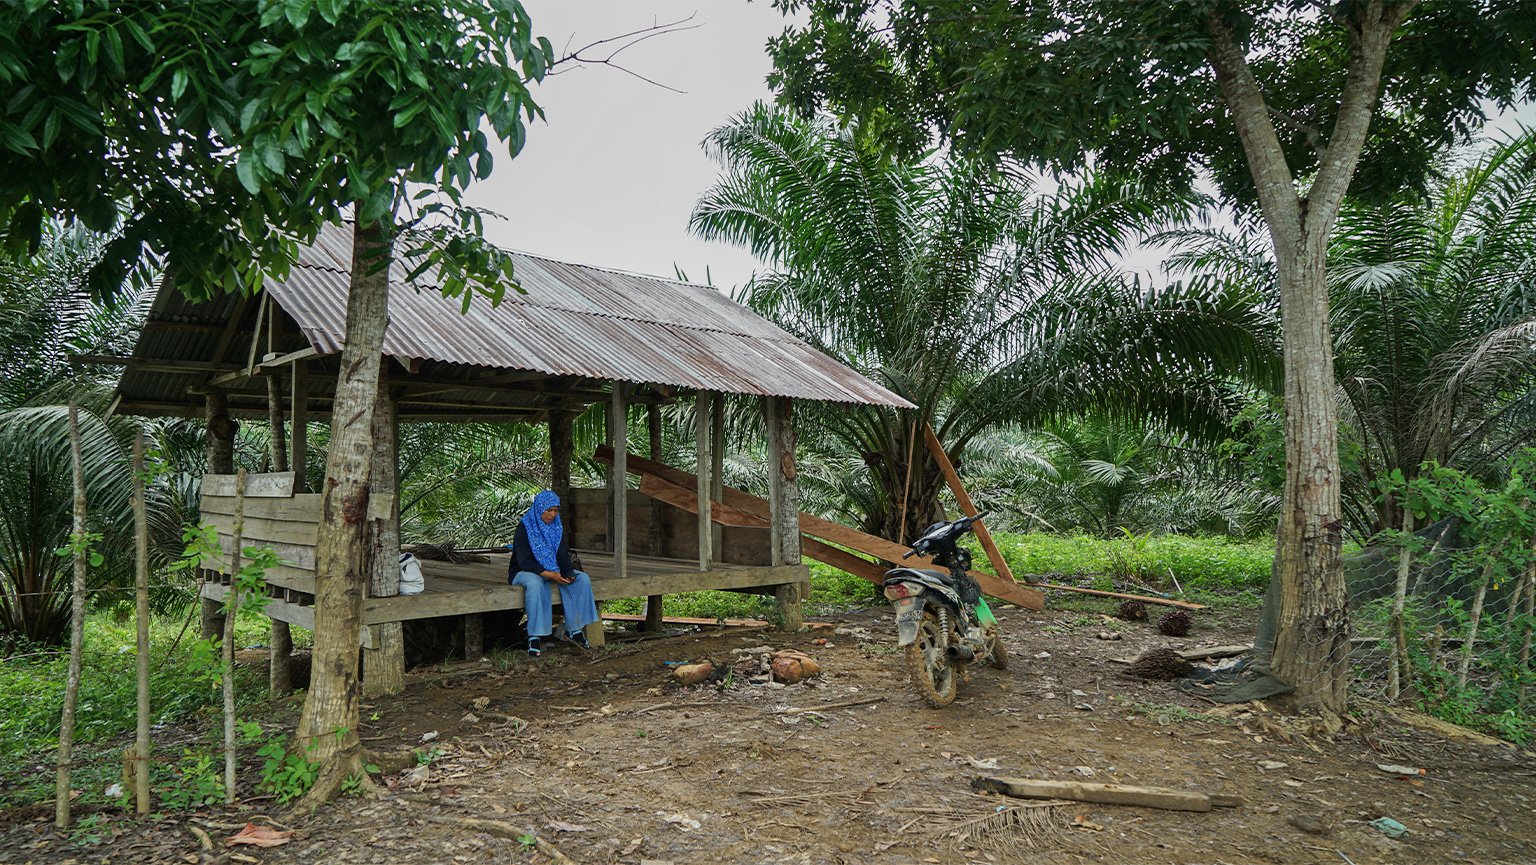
pixel 541 555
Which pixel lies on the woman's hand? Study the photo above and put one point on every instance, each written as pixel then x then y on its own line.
pixel 555 577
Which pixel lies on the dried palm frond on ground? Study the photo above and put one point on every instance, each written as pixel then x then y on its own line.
pixel 1010 829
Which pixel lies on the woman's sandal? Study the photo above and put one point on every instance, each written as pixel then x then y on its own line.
pixel 535 647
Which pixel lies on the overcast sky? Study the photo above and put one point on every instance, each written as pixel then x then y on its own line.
pixel 610 178
pixel 611 175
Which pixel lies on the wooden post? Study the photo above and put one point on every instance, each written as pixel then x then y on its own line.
pixel 228 647
pixel 968 507
pixel 717 468
pixel 474 636
pixel 653 602
pixel 783 504
pixel 221 461
pixel 384 666
pixel 299 440
pixel 703 425
pixel 618 482
pixel 561 445
pixel 280 641
pixel 76 632
pixel 141 746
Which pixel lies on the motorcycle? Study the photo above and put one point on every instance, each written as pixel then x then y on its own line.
pixel 942 622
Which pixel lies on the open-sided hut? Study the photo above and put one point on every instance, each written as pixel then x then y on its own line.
pixel 578 336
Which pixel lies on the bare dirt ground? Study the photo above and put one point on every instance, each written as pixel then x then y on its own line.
pixel 608 762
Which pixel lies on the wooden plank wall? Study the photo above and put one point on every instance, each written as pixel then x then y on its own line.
pixel 274 517
pixel 679 530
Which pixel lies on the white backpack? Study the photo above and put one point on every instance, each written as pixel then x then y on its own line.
pixel 411 581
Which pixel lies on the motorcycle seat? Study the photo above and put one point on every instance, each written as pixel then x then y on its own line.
pixel 940 576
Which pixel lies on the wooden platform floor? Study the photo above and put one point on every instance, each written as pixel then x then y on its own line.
pixel 480 587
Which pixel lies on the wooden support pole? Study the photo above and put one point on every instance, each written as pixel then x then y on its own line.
pixel 474 636
pixel 561 445
pixel 968 507
pixel 717 467
pixel 221 429
pixel 702 425
pixel 618 481
pixel 280 643
pixel 384 666
pixel 298 442
pixel 653 603
pixel 141 744
pixel 783 504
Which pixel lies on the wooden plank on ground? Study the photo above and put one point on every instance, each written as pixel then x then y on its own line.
pixel 1016 593
pixel 1105 794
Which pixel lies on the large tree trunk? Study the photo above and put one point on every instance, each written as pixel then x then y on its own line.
pixel 1308 597
pixel 1312 638
pixel 328 727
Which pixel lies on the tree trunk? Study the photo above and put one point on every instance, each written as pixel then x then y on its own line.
pixel 1397 667
pixel 1312 635
pixel 1464 666
pixel 141 744
pixel 384 666
pixel 76 632
pixel 327 730
pixel 228 648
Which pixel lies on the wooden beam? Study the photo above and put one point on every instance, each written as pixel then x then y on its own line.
pixel 148 364
pixel 688 500
pixel 242 373
pixel 783 503
pixel 1016 593
pixel 268 485
pixel 967 507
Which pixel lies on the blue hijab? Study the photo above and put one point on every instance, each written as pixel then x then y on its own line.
pixel 544 537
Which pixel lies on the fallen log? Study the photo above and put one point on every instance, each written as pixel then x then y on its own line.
pixel 1214 652
pixel 504 830
pixel 1106 794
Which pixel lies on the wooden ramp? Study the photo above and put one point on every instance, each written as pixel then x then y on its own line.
pixel 677 488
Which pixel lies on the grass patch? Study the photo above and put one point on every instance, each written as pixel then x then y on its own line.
pixel 182 683
pixel 1212 564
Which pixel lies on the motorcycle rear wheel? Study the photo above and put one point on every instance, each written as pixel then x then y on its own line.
pixel 933 676
pixel 998 653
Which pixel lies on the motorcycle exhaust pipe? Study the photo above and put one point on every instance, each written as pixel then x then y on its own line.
pixel 960 653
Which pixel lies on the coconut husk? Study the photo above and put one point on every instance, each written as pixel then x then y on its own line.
pixel 1160 665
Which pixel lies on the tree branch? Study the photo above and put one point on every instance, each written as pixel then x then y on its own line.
pixel 584 55
pixel 1261 146
pixel 1369 38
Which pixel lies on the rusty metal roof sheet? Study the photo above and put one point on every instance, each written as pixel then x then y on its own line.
pixel 581 321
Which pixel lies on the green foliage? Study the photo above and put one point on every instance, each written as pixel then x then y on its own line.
pixel 1198 563
pixel 285 772
pixel 980 296
pixel 1129 87
pixel 197 779
pixel 183 684
pixel 218 159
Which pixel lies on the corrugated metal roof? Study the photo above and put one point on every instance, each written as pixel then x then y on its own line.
pixel 579 321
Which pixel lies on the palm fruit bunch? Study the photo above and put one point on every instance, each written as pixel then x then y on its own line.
pixel 1160 665
pixel 1132 611
pixel 1174 624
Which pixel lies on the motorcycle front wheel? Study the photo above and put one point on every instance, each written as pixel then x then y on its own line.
pixel 998 653
pixel 932 673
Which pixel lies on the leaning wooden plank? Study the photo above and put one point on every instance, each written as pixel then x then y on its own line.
pixel 837 558
pixel 963 499
pixel 1146 599
pixel 688 500
pixel 993 585
pixel 1104 794
pixel 269 485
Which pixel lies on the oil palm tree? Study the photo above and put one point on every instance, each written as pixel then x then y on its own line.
pixel 1433 320
pixel 975 292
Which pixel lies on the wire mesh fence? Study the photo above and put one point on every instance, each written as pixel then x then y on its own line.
pixel 1442 625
